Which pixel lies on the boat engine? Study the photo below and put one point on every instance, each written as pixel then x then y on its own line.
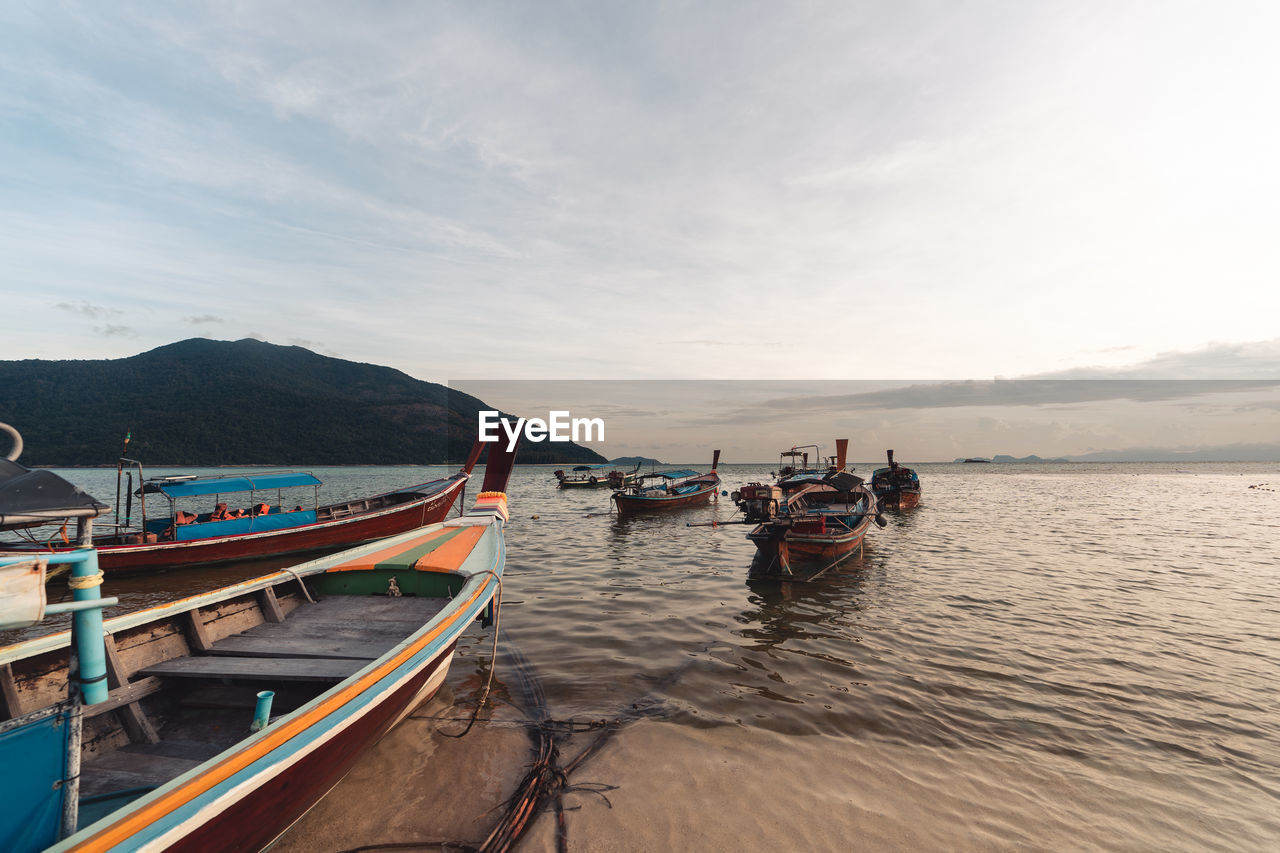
pixel 758 502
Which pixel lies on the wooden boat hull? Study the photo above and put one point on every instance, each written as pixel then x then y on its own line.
pixel 612 480
pixel 243 798
pixel 641 503
pixel 807 555
pixel 331 534
pixel 600 483
pixel 903 499
pixel 276 802
pixel 809 547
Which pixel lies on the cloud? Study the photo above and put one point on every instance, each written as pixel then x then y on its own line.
pixel 1004 393
pixel 743 343
pixel 930 179
pixel 97 312
pixel 203 319
pixel 116 331
pixel 1247 360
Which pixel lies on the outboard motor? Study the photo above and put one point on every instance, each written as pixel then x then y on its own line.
pixel 758 502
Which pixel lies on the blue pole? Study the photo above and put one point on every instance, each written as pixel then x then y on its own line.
pixel 86 629
pixel 262 711
pixel 72 606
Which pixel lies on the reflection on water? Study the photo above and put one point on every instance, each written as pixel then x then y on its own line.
pixel 787 613
pixel 1038 656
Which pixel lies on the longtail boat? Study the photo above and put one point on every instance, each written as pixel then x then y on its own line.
pixel 669 489
pixel 809 520
pixel 214 722
pixel 263 524
pixel 595 477
pixel 794 462
pixel 897 486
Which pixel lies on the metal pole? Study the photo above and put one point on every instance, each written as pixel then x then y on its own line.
pixel 86 626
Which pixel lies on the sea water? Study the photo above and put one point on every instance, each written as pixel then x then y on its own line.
pixel 1048 656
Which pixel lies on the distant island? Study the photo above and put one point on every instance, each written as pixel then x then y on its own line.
pixel 1007 459
pixel 632 461
pixel 202 402
pixel 1219 453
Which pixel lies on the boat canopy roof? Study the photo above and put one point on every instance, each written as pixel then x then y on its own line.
pixel 588 467
pixel 674 475
pixel 192 486
pixel 30 497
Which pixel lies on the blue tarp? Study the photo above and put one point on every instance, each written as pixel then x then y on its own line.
pixel 257 524
pixel 235 526
pixel 674 475
pixel 33 752
pixel 227 485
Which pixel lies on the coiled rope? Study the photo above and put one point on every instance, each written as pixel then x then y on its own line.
pixel 85 581
pixel 496 604
pixel 547 780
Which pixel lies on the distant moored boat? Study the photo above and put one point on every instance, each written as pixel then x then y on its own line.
pixel 896 486
pixel 669 489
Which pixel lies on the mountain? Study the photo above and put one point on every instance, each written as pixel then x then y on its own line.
pixel 1032 458
pixel 202 402
pixel 632 461
pixel 1219 453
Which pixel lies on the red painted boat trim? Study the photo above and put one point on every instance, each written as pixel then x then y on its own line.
pixel 337 533
pixel 812 547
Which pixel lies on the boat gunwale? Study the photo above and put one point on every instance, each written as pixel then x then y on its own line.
pixel 126 548
pixel 317 566
pixel 334 709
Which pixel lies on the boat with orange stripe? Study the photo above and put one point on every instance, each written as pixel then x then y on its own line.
pixel 228 715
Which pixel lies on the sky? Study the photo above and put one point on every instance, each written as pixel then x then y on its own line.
pixel 751 421
pixel 705 190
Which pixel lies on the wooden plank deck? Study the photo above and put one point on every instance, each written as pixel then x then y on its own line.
pixel 367 647
pixel 325 641
pixel 258 669
pixel 360 628
pixel 313 646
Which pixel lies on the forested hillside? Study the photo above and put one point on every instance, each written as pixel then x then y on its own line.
pixel 202 402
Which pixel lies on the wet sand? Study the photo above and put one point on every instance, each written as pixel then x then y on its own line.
pixel 418 785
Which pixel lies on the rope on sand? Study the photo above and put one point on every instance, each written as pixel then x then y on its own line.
pixel 546 780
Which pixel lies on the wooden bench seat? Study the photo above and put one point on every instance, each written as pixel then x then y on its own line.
pixel 258 669
pixel 325 641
